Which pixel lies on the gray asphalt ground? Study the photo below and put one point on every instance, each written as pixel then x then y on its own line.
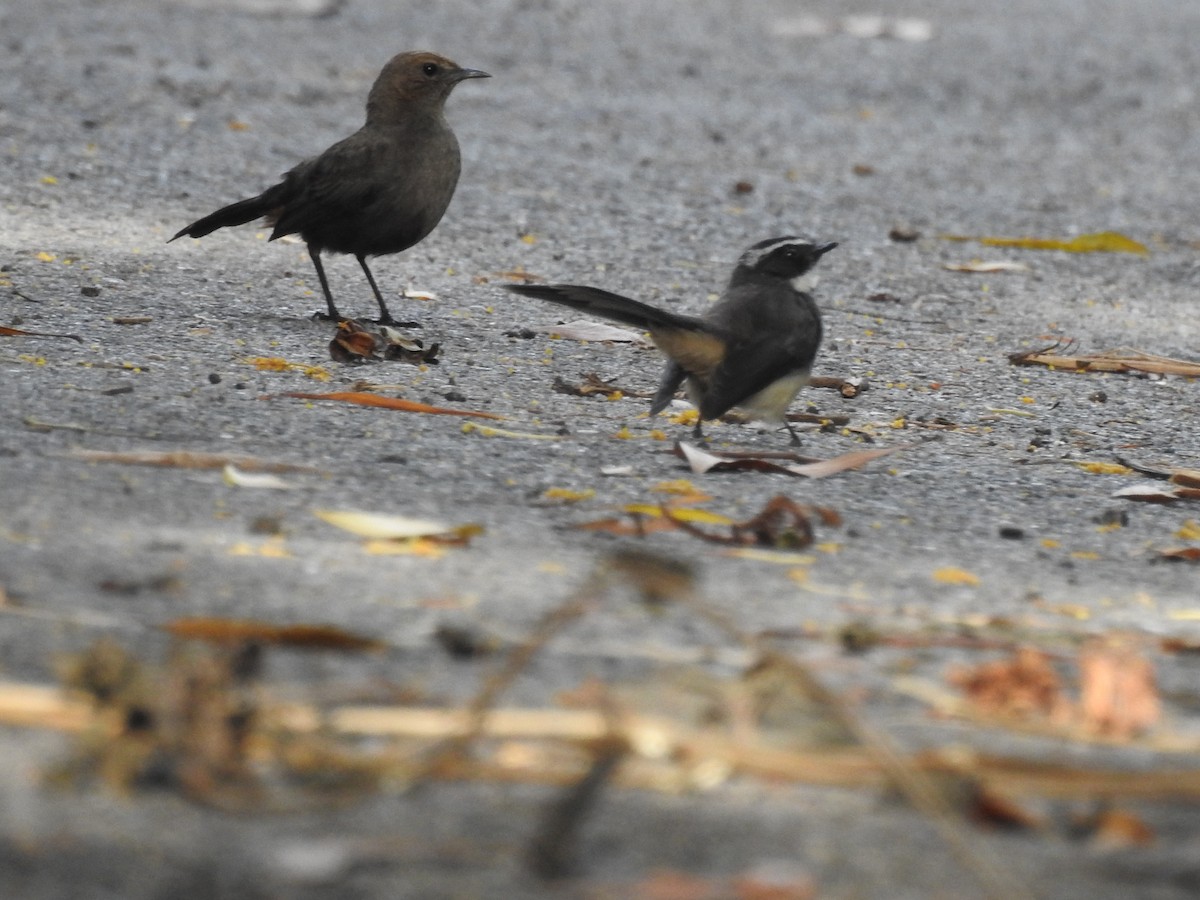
pixel 605 150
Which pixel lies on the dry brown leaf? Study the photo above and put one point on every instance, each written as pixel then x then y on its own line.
pixel 782 524
pixel 992 808
pixel 400 347
pixel 1157 492
pixel 636 525
pixel 1023 686
pixel 1122 361
pixel 352 343
pixel 702 461
pixel 231 631
pixel 1181 554
pixel 1115 829
pixel 7 331
pixel 365 399
pixel 590 385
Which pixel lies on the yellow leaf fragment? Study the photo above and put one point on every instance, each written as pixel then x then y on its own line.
pixel 1189 531
pixel 423 547
pixel 1072 611
pixel 954 575
pixel 700 517
pixel 277 364
pixel 1096 242
pixel 489 431
pixel 1104 468
pixel 680 487
pixel 43 256
pixel 567 495
pixel 272 548
pixel 777 557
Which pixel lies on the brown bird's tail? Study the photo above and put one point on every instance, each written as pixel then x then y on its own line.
pixel 234 214
pixel 609 306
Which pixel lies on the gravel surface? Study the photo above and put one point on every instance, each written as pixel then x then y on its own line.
pixel 608 148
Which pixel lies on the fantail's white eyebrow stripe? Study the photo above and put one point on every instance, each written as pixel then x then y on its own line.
pixel 755 255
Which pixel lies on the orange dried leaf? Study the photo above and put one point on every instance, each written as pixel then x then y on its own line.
pixel 361 398
pixel 1117 828
pixel 1184 554
pixel 318 637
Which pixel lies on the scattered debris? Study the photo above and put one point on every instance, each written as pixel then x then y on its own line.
pixel 361 398
pixel 240 631
pixel 1124 361
pixel 986 267
pixel 703 461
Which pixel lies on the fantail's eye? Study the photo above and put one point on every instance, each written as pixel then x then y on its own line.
pixel 430 69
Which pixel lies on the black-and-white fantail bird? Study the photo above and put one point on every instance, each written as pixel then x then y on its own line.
pixel 753 349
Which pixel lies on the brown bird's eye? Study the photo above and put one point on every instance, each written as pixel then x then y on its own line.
pixel 430 69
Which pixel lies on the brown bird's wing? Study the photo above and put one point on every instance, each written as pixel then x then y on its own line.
pixel 339 200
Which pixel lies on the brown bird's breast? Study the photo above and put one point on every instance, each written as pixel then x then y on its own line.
pixel 378 192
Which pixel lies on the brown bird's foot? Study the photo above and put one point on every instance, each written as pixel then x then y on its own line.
pixel 322 316
pixel 388 320
pixel 795 441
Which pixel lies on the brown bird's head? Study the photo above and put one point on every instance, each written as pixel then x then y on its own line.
pixel 414 79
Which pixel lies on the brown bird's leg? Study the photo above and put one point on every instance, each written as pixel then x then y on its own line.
pixel 385 317
pixel 698 434
pixel 792 431
pixel 314 254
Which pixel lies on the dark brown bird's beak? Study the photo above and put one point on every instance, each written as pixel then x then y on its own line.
pixel 822 249
pixel 463 74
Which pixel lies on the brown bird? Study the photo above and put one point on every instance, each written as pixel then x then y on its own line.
pixel 379 191
pixel 754 348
